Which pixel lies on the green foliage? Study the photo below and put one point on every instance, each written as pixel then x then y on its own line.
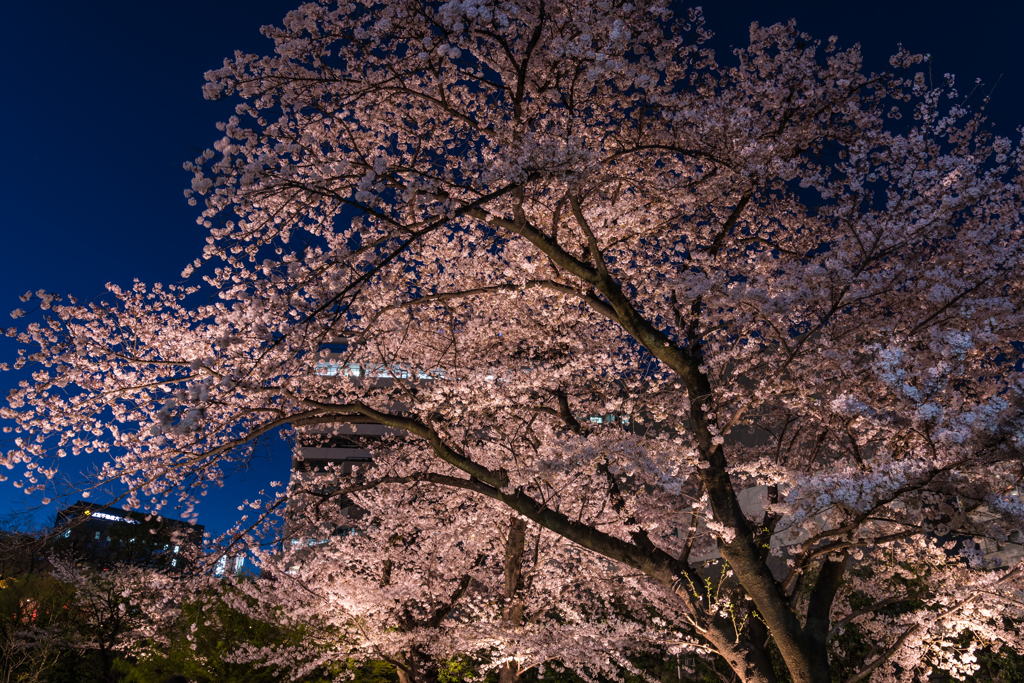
pixel 35 611
pixel 219 632
pixel 375 672
pixel 1005 666
pixel 456 670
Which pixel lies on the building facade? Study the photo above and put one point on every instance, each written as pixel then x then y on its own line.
pixel 105 536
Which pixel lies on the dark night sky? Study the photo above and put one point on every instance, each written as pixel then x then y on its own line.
pixel 104 105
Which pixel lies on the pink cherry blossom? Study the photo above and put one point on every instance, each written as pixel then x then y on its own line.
pixel 735 338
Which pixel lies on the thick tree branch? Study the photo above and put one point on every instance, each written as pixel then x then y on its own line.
pixel 819 608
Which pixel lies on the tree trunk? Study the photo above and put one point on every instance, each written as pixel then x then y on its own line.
pixel 420 668
pixel 514 549
pixel 508 673
pixel 804 657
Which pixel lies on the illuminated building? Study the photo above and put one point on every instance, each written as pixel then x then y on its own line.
pixel 103 535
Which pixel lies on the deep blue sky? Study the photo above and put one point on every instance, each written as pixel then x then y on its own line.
pixel 103 105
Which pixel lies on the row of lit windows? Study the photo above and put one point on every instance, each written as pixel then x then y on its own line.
pixel 222 564
pixel 334 368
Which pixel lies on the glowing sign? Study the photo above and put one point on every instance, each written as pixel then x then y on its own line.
pixel 113 518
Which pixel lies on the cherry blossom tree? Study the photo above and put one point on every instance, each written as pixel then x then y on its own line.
pixel 33 626
pixel 116 609
pixel 615 281
pixel 423 575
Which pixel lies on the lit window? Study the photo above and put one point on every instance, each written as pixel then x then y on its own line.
pixel 327 368
pixel 98 535
pixel 174 563
pixel 176 548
